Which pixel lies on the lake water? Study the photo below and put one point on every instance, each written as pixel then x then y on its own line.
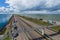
pixel 4 18
pixel 55 17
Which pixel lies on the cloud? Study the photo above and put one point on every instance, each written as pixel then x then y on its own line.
pixel 34 12
pixel 23 4
pixel 42 12
pixel 52 3
pixel 4 10
pixel 17 6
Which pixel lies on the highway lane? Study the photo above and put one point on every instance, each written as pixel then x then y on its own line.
pixel 34 35
pixel 47 31
pixel 31 32
pixel 22 35
pixel 52 34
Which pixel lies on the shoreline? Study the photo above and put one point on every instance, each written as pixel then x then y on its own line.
pixel 5 27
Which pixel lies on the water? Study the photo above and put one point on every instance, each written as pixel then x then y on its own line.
pixel 55 17
pixel 4 18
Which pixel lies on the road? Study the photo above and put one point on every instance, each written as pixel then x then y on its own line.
pixel 22 35
pixel 47 31
pixel 23 27
pixel 52 34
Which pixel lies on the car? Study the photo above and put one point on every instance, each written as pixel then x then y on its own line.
pixel 15 28
pixel 15 35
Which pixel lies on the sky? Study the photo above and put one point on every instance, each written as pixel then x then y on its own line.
pixel 30 6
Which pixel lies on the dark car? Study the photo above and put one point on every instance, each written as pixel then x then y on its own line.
pixel 15 28
pixel 41 19
pixel 15 35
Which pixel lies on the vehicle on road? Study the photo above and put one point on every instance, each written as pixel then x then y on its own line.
pixel 15 28
pixel 15 35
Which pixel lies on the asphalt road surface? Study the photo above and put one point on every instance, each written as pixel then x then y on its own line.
pixel 21 35
pixel 47 31
pixel 23 27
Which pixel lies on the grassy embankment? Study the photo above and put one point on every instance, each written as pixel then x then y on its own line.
pixel 40 22
pixel 7 38
pixel 3 31
pixel 57 28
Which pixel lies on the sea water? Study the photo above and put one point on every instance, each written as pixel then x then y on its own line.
pixel 4 18
pixel 55 17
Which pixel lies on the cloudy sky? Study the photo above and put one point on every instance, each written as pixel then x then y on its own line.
pixel 30 6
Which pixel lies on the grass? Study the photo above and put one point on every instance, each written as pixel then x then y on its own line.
pixel 40 22
pixel 7 38
pixel 57 28
pixel 3 31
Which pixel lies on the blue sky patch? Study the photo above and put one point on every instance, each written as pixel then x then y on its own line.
pixel 2 3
